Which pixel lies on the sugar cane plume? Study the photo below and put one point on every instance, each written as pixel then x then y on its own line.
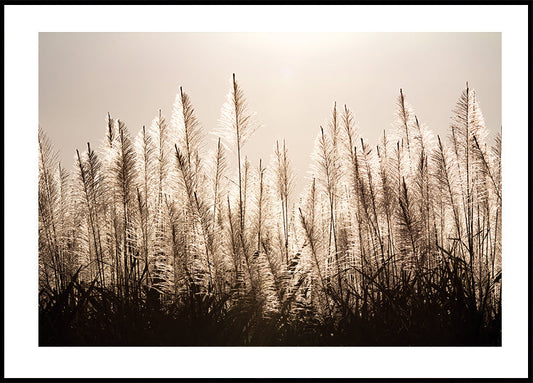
pixel 169 219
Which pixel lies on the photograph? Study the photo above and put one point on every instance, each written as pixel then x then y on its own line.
pixel 304 199
pixel 232 191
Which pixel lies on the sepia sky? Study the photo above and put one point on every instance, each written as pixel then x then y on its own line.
pixel 290 79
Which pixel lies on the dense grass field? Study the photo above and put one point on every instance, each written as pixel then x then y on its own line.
pixel 158 239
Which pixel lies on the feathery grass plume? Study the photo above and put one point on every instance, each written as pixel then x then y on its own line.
pixel 284 184
pixel 496 165
pixel 245 235
pixel 461 137
pixel 172 264
pixel 269 253
pixel 146 193
pixel 445 183
pixel 123 186
pixel 372 258
pixel 416 138
pixel 308 220
pixel 282 277
pixel 409 230
pixel 91 193
pixel 335 168
pixel 327 170
pixel 110 131
pixel 219 166
pixel 188 132
pixel 487 195
pixel 260 202
pixel 336 176
pixel 496 225
pixel 236 126
pixel 405 122
pixel 396 174
pixel 198 216
pixel 164 191
pixel 96 193
pixel 415 169
pixel 237 123
pixel 467 123
pixel 111 237
pixel 161 137
pixel 363 217
pixel 484 168
pixel 216 168
pixel 365 198
pixel 268 288
pixel 495 160
pixel 50 252
pixel 246 186
pixel 350 137
pixel 239 285
pixel 354 193
pixel 388 179
pixel 422 184
pixel 67 238
pixel 366 164
pixel 334 129
pixel 264 268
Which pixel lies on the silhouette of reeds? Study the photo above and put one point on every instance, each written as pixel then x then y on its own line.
pixel 154 242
